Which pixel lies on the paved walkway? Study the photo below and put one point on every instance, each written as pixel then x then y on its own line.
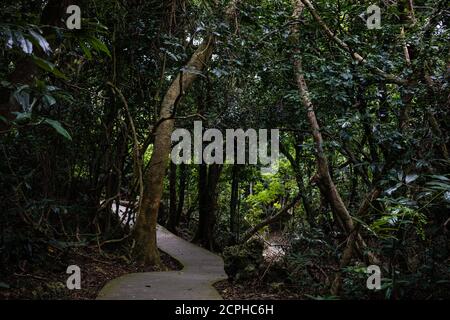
pixel 194 282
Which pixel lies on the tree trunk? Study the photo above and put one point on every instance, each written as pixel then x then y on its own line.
pixel 145 249
pixel 234 200
pixel 310 215
pixel 203 212
pixel 323 173
pixel 323 177
pixel 182 192
pixel 171 223
pixel 355 242
pixel 208 181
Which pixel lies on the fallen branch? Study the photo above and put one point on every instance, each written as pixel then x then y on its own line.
pixel 31 276
pixel 270 220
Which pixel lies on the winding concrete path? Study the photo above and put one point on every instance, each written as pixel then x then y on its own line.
pixel 194 282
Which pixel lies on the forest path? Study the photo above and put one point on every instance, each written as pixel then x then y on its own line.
pixel 194 282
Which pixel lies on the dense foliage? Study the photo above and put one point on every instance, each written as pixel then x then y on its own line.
pixel 79 110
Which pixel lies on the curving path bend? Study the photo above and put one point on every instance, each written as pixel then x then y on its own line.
pixel 194 282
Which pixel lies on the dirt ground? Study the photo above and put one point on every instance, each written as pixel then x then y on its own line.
pixel 38 281
pixel 255 291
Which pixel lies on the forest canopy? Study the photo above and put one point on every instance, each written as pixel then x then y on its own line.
pixel 357 92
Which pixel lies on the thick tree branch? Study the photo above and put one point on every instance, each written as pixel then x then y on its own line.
pixel 276 217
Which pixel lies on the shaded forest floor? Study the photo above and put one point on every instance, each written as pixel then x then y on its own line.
pixel 255 290
pixel 43 276
pixel 48 280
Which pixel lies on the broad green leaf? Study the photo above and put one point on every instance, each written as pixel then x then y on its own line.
pixel 99 46
pixel 20 116
pixel 58 127
pixel 48 66
pixel 411 178
pixel 42 42
pixel 86 51
pixel 393 189
pixel 49 100
pixel 24 44
pixel 443 178
pixel 438 185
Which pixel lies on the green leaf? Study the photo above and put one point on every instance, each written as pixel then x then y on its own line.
pixel 58 127
pixel 173 56
pixel 443 178
pixel 438 185
pixel 22 96
pixel 48 66
pixel 99 46
pixel 393 189
pixel 49 100
pixel 22 116
pixel 24 43
pixel 42 42
pixel 86 51
pixel 411 178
